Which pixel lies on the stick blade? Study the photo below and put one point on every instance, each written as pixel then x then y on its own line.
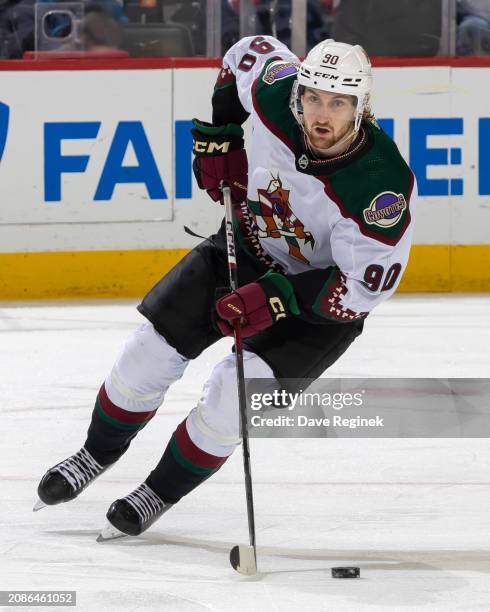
pixel 243 559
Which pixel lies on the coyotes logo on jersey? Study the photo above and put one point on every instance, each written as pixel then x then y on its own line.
pixel 275 219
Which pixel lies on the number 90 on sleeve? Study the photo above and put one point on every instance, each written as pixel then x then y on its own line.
pixel 375 277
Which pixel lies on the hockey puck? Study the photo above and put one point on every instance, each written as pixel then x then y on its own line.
pixel 346 572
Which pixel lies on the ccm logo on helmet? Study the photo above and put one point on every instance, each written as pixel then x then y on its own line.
pixel 201 146
pixel 326 76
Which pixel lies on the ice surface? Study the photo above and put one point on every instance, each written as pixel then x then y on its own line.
pixel 413 514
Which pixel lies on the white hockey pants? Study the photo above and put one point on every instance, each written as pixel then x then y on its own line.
pixel 148 365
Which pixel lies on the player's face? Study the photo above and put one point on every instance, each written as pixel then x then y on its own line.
pixel 327 116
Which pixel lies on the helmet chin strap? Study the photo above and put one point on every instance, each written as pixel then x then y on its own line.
pixel 337 148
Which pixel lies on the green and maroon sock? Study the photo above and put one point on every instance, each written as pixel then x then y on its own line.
pixel 112 429
pixel 183 467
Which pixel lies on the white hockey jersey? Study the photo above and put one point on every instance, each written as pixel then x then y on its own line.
pixel 340 229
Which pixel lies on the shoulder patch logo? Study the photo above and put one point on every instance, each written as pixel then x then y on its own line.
pixel 386 209
pixel 279 70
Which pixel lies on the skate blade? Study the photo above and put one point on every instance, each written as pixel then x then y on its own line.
pixel 243 559
pixel 110 533
pixel 39 505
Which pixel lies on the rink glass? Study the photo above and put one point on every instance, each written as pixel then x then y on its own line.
pixel 207 28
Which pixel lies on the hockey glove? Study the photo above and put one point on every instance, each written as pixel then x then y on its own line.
pixel 220 156
pixel 257 305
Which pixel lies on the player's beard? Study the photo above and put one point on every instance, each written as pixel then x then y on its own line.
pixel 329 144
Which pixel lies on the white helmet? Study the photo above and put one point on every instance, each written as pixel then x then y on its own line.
pixel 336 67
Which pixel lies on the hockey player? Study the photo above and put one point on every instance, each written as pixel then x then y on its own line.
pixel 323 215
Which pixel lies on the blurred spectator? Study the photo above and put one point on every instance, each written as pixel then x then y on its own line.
pixel 192 15
pixel 144 11
pixel 5 29
pixel 189 13
pixel 473 33
pixel 17 28
pixel 99 32
pixel 389 27
pixel 274 17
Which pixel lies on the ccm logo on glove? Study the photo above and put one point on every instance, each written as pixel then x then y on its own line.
pixel 257 305
pixel 233 307
pixel 220 156
pixel 277 308
pixel 201 146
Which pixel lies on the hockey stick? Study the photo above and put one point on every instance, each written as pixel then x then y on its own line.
pixel 242 558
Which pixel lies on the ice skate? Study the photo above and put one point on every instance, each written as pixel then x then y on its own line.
pixel 133 514
pixel 109 532
pixel 68 479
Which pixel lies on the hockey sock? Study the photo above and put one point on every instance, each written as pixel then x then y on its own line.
pixel 112 429
pixel 182 468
